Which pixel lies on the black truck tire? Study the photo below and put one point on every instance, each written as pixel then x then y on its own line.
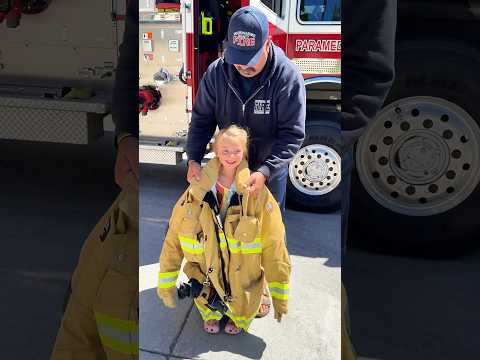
pixel 443 73
pixel 319 135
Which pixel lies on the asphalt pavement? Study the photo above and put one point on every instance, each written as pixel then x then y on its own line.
pixel 311 330
pixel 51 197
pixel 413 308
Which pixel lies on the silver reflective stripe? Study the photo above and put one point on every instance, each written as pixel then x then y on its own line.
pixel 278 290
pixel 251 246
pixel 122 336
pixel 191 246
pixel 167 280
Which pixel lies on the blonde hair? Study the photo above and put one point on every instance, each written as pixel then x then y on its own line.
pixel 236 132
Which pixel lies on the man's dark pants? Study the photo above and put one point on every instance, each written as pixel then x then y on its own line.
pixel 278 187
pixel 347 165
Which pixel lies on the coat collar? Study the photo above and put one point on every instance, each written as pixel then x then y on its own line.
pixel 209 176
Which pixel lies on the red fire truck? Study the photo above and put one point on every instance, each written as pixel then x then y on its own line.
pixel 417 173
pixel 309 33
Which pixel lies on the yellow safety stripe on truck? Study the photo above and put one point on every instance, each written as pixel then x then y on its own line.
pixel 117 334
pixel 279 290
pixel 190 245
pixel 167 279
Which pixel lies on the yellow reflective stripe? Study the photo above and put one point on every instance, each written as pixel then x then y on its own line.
pixel 192 251
pixel 278 296
pixel 207 314
pixel 223 240
pixel 190 245
pixel 116 323
pixel 166 285
pixel 126 348
pixel 251 251
pixel 254 247
pixel 125 331
pixel 279 285
pixel 168 274
pixel 241 321
pixel 251 248
pixel 188 240
pixel 167 279
pixel 232 242
pixel 279 290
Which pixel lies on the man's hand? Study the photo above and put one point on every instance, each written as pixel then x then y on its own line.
pixel 255 183
pixel 127 160
pixel 194 171
pixel 278 316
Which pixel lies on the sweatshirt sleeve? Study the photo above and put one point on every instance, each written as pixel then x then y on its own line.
pixel 125 92
pixel 275 258
pixel 291 104
pixel 368 49
pixel 203 123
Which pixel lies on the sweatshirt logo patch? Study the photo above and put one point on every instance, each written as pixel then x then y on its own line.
pixel 262 107
pixel 243 38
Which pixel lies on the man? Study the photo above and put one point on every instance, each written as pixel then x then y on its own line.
pixel 125 101
pixel 101 317
pixel 368 49
pixel 256 87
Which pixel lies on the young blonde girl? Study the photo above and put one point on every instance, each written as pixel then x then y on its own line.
pixel 232 242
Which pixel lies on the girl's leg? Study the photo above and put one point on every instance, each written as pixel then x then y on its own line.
pixel 265 303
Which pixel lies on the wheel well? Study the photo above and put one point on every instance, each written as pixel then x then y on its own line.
pixel 410 27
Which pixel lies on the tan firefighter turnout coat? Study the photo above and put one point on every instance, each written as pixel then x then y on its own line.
pixel 253 248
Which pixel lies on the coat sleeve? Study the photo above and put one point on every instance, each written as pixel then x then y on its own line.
pixel 125 93
pixel 203 123
pixel 171 255
pixel 368 53
pixel 275 258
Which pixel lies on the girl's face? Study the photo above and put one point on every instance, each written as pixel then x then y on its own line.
pixel 229 151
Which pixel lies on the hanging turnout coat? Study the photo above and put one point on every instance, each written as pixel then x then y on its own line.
pixel 252 245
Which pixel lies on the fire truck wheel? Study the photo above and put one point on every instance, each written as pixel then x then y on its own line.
pixel 418 164
pixel 315 171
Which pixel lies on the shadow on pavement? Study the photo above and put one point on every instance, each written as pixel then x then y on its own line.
pixel 181 333
pixel 410 308
pixel 194 342
pixel 314 236
pixel 52 196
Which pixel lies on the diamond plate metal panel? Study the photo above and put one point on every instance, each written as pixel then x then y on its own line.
pixel 318 66
pixel 99 106
pixel 49 125
pixel 159 155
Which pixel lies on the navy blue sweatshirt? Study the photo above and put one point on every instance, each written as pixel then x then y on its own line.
pixel 125 94
pixel 274 114
pixel 368 57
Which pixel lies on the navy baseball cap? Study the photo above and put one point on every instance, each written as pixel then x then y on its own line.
pixel 247 33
